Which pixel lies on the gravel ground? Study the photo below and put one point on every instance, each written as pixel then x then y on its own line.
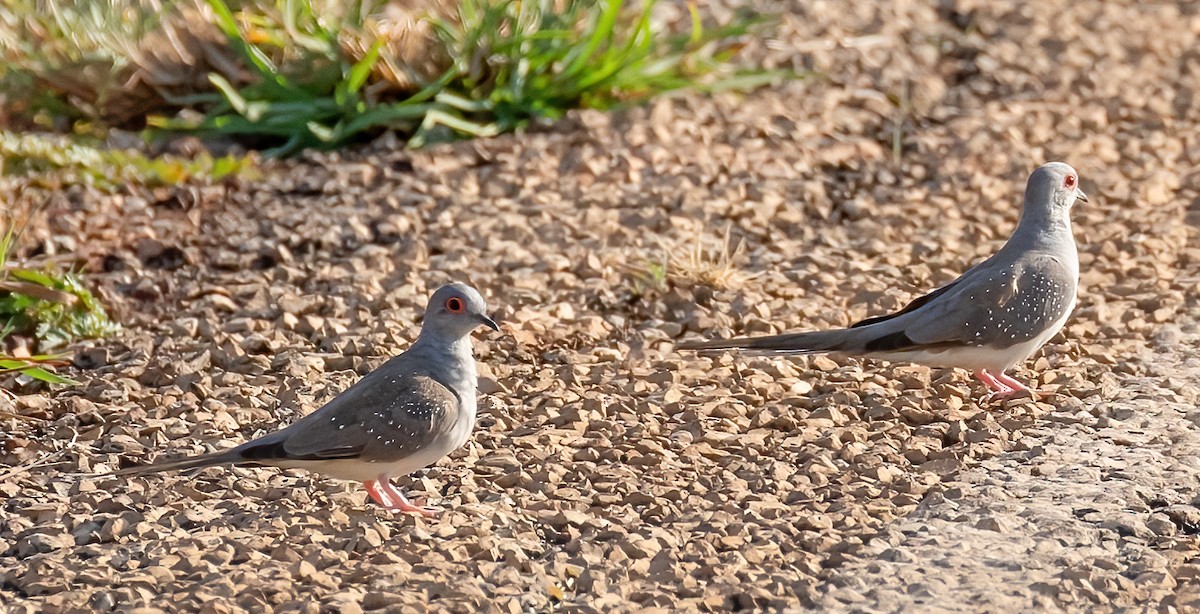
pixel 609 472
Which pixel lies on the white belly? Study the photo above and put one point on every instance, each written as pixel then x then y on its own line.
pixel 362 471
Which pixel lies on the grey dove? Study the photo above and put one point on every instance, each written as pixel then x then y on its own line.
pixel 994 316
pixel 405 415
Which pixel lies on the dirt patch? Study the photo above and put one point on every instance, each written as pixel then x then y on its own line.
pixel 609 472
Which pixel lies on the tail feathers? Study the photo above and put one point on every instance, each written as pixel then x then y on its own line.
pixel 227 457
pixel 845 340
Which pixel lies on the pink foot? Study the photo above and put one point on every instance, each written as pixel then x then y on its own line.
pixel 1000 389
pixel 1016 386
pixel 384 493
pixel 1002 386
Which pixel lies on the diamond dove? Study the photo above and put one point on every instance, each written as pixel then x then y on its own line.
pixel 407 414
pixel 992 317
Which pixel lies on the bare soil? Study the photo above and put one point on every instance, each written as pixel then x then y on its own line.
pixel 609 472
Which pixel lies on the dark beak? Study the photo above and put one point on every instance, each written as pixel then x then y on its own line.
pixel 488 322
pixel 1080 195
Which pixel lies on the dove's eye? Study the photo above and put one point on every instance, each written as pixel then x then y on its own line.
pixel 1069 182
pixel 455 305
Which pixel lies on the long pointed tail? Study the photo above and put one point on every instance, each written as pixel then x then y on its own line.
pixel 227 457
pixel 845 340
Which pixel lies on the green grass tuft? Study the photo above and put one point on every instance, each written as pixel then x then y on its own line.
pixel 293 74
pixel 516 61
pixel 53 309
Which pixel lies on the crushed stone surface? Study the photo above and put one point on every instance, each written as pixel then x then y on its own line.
pixel 609 472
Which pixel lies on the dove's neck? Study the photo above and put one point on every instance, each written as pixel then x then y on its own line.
pixel 1044 218
pixel 1047 230
pixel 450 361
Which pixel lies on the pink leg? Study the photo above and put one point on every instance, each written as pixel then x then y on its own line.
pixel 378 494
pixel 1001 385
pixel 386 494
pixel 1000 389
pixel 993 384
pixel 1015 385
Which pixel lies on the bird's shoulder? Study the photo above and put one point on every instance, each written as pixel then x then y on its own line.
pixel 394 391
pixel 421 394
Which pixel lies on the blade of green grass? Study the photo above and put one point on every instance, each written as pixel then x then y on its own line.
pixel 25 367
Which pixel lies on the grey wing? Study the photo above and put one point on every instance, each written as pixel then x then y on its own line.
pixel 383 418
pixel 1005 306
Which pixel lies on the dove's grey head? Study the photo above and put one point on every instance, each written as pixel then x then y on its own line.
pixel 1046 215
pixel 453 312
pixel 1052 189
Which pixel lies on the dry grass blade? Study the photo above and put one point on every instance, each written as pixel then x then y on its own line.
pixel 45 461
pixel 39 292
pixel 12 416
pixel 718 267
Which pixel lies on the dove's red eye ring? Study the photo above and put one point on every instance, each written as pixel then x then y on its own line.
pixel 455 305
pixel 1069 182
